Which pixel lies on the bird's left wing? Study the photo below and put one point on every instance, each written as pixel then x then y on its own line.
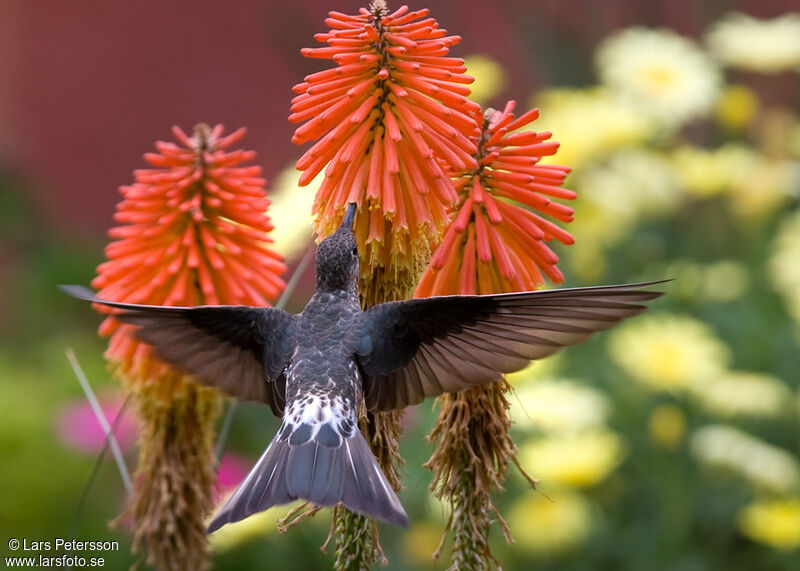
pixel 239 349
pixel 419 348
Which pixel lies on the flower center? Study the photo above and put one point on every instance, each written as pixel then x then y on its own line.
pixel 658 79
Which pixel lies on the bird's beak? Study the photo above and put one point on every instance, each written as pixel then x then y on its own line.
pixel 349 215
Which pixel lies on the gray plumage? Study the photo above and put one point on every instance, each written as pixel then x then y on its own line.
pixel 314 369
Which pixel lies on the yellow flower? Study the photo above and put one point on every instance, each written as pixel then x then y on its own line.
pixel 737 107
pixel 552 524
pixel 578 459
pixel 757 185
pixel 774 522
pixel 707 172
pixel 764 187
pixel 718 282
pixel 489 77
pixel 668 352
pixel 767 46
pixel 615 195
pixel 635 182
pixel 765 466
pixel 667 425
pixel 737 394
pixel 664 74
pixel 784 271
pixel 291 213
pixel 559 406
pixel 614 124
pixel 724 280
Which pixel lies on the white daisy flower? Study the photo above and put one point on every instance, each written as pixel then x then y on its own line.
pixel 766 467
pixel 661 72
pixel 766 46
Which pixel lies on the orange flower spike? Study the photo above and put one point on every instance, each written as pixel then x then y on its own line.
pixel 192 230
pixel 395 102
pixel 502 226
pixel 198 217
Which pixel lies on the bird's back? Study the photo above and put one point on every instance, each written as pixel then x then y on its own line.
pixel 319 454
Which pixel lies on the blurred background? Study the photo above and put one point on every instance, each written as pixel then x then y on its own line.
pixel 672 442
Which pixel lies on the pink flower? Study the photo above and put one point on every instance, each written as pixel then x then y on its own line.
pixel 77 426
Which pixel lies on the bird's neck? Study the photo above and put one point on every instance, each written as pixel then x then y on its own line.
pixel 335 286
pixel 338 290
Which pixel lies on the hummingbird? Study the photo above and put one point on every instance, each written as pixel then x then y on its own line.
pixel 316 369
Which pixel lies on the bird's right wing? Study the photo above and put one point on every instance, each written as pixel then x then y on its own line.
pixel 239 349
pixel 419 348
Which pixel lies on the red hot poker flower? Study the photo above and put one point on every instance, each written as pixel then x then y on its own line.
pixel 392 121
pixel 192 231
pixel 494 244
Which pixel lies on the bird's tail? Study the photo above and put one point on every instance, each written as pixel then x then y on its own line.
pixel 322 474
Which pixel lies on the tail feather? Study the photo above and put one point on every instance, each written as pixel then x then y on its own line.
pixel 255 490
pixel 312 473
pixel 366 489
pixel 259 494
pixel 323 475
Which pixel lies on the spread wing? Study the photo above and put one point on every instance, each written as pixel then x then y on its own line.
pixel 419 348
pixel 238 349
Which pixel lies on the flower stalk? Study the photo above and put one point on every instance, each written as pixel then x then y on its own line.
pixel 391 122
pixel 395 133
pixel 192 231
pixel 494 244
pixel 470 462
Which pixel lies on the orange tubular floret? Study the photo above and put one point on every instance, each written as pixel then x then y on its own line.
pixel 395 67
pixel 439 258
pixel 188 221
pixel 501 245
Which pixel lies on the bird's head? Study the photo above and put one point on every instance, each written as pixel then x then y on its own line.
pixel 337 256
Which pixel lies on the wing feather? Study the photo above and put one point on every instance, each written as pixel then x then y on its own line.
pixel 238 349
pixel 410 350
